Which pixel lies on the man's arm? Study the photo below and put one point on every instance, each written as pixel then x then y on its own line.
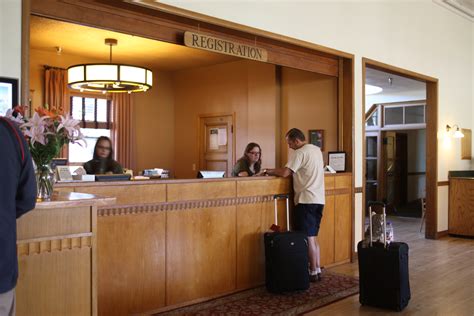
pixel 279 172
pixel 26 192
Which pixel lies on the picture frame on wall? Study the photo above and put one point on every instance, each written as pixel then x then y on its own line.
pixel 337 160
pixel 316 137
pixel 8 94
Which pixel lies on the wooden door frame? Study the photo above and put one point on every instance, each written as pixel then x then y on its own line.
pixel 431 230
pixel 167 23
pixel 200 131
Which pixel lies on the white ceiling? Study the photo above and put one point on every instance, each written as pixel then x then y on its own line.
pixel 399 85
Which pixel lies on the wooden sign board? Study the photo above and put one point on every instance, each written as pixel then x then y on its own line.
pixel 219 45
pixel 466 144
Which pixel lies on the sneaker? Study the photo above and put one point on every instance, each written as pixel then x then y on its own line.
pixel 315 277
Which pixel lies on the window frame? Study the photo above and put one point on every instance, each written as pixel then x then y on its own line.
pixel 93 124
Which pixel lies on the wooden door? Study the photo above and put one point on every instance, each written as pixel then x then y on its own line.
pixel 395 169
pixel 216 148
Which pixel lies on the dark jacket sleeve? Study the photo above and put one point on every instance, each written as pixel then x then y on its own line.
pixel 116 167
pixel 26 191
pixel 88 167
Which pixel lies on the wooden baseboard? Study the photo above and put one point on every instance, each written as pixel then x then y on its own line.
pixel 441 234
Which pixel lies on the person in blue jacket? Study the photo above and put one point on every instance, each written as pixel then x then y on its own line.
pixel 17 196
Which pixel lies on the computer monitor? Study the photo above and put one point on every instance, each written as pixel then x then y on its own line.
pixel 112 177
pixel 206 174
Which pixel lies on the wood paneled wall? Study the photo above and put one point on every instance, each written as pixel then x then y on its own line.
pixel 57 262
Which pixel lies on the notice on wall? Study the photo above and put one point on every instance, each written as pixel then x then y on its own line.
pixel 214 138
pixel 222 138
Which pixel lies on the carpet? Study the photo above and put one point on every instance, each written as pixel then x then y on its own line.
pixel 333 287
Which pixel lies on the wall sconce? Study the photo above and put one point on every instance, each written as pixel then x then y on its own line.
pixel 457 133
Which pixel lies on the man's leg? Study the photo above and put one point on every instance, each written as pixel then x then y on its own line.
pixel 7 303
pixel 313 253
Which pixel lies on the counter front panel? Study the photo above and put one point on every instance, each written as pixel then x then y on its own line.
pixel 204 239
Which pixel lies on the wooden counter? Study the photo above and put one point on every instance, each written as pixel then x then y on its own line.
pixel 168 243
pixel 56 245
pixel 461 203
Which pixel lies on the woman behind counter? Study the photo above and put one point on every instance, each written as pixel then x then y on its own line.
pixel 102 161
pixel 250 163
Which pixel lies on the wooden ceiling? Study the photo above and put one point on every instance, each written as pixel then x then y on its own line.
pixel 47 34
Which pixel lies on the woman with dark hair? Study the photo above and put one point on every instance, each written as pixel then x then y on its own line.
pixel 250 163
pixel 102 161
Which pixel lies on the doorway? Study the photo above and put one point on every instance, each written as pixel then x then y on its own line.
pixel 400 144
pixel 216 143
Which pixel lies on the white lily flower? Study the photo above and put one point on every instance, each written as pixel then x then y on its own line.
pixel 36 121
pixel 37 135
pixel 70 125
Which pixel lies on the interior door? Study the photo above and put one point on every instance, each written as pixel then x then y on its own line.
pixel 395 168
pixel 216 143
pixel 372 159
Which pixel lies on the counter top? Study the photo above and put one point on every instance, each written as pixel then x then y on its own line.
pixel 462 174
pixel 73 199
pixel 169 181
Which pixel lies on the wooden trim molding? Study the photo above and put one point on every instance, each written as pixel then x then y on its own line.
pixel 443 183
pixel 441 234
pixel 184 205
pixel 358 190
pixel 155 23
pixel 36 247
pixel 431 138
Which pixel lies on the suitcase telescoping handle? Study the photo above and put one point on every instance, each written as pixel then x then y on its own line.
pixel 277 197
pixel 384 220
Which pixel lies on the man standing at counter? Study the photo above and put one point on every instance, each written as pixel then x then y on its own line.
pixel 307 168
pixel 17 196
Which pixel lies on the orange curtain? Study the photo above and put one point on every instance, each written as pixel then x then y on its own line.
pixel 123 130
pixel 56 93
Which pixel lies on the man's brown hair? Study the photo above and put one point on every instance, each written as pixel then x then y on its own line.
pixel 295 134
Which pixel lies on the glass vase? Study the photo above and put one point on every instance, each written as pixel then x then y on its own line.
pixel 44 182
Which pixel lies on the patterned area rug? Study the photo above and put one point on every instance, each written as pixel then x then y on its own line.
pixel 258 301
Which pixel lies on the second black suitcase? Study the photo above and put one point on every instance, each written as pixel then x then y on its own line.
pixel 383 272
pixel 286 258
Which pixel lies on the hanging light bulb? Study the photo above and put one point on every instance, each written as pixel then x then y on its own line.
pixel 109 77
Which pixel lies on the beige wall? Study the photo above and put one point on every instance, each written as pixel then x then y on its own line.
pixel 308 101
pixel 245 88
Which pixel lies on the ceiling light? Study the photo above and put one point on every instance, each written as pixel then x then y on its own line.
pixel 109 77
pixel 457 133
pixel 370 89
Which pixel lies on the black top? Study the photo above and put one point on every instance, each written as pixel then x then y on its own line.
pixel 102 166
pixel 242 165
pixel 17 196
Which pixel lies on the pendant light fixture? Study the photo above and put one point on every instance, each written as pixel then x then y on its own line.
pixel 109 77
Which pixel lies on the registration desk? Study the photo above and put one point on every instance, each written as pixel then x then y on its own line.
pixel 461 203
pixel 168 243
pixel 56 245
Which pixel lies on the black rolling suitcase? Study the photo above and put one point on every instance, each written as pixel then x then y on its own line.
pixel 286 258
pixel 383 270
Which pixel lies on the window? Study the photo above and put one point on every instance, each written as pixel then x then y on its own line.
pixel 404 114
pixel 95 115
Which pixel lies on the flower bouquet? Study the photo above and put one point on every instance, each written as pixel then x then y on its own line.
pixel 46 133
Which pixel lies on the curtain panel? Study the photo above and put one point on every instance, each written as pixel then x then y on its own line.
pixel 56 95
pixel 123 129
